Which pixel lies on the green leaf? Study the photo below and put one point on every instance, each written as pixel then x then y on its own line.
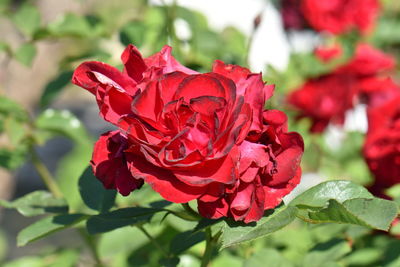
pixel 121 240
pixel 185 240
pixel 4 5
pixel 5 47
pixel 93 193
pixel 16 131
pixel 119 218
pixel 37 203
pixel 364 257
pixel 47 226
pixel 340 191
pixel 62 123
pixel 11 108
pixel 25 54
pixel 169 262
pixel 65 258
pixel 54 88
pixel 70 25
pixel 374 213
pixel 27 19
pixel 325 253
pixel 13 158
pixel 133 33
pixel 267 257
pixel 69 170
pixel 235 232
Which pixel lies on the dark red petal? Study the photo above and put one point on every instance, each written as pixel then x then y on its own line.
pixel 213 210
pixel 256 210
pixel 109 164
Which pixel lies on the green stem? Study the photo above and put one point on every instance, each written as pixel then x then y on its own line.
pixel 91 245
pixel 52 186
pixel 44 173
pixel 153 240
pixel 189 210
pixel 171 16
pixel 210 246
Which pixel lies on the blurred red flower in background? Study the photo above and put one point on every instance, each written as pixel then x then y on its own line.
pixel 326 98
pixel 333 16
pixel 382 145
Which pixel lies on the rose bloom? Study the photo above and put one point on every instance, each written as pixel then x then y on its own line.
pixel 340 16
pixel 192 136
pixel 325 99
pixel 382 145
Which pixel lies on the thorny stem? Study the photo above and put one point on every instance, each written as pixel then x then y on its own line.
pixel 211 243
pixel 153 240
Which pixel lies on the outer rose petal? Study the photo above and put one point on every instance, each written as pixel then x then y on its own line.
pixel 274 195
pixel 114 104
pixel 134 63
pixel 163 181
pixel 109 164
pixel 166 62
pixel 257 208
pixel 92 74
pixel 213 210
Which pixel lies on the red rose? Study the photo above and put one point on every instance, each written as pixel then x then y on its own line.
pixel 326 98
pixel 182 132
pixel 382 145
pixel 340 16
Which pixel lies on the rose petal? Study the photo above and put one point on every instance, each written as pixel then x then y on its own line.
pixel 91 74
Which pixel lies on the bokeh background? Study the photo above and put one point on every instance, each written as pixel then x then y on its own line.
pixel 42 41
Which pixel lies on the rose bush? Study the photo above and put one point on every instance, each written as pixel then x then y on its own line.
pixel 192 136
pixel 326 98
